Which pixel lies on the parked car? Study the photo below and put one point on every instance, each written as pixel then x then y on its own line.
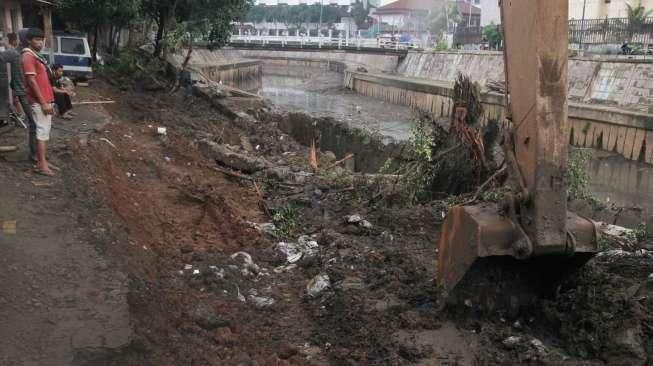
pixel 73 52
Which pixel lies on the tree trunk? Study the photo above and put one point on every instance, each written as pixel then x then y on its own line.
pixel 95 37
pixel 159 33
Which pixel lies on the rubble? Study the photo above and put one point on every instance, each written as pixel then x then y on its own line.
pixel 294 251
pixel 204 315
pixel 318 284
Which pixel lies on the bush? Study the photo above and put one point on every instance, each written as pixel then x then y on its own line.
pixel 578 179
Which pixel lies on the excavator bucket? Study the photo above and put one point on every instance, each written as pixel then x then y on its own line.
pixel 529 238
pixel 478 258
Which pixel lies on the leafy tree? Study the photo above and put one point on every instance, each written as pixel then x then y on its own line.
pixel 92 15
pixel 441 20
pixel 493 34
pixel 359 13
pixel 636 15
pixel 201 17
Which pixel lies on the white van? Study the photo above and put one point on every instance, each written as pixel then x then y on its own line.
pixel 73 52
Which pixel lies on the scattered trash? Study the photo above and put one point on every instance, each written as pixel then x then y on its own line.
pixel 318 284
pixel 267 228
pixel 354 219
pixel 162 131
pixel 240 296
pixel 282 269
pixel 261 301
pixel 42 184
pixel 358 219
pixel 167 159
pixel 188 267
pixel 620 253
pixel 305 247
pixel 108 142
pixel 516 324
pixel 511 342
pixel 538 345
pixel 247 263
pixel 219 272
pixel 196 272
pixel 468 303
pixel 9 227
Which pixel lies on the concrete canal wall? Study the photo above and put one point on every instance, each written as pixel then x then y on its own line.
pixel 628 133
pixel 619 83
pixel 610 101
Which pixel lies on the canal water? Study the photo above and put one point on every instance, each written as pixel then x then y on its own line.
pixel 316 91
pixel 320 92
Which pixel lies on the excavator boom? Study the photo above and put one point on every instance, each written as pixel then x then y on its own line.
pixel 532 225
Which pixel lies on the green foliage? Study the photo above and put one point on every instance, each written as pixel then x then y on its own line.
pixel 129 66
pixel 493 34
pixel 286 222
pixel 492 196
pixel 359 12
pixel 638 234
pixel 415 167
pixel 295 15
pixel 442 19
pixel 578 180
pixel 442 46
pixel 637 14
pixel 89 14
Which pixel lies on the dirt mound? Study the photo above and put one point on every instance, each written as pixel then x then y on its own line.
pixel 354 283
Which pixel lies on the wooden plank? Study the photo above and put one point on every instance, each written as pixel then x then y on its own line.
pixel 599 132
pixel 629 141
pixel 589 136
pixel 579 135
pixel 649 147
pixel 621 138
pixel 640 135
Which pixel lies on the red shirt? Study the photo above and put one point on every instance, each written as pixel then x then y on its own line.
pixel 32 66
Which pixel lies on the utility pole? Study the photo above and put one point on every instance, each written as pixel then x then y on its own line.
pixel 469 15
pixel 582 32
pixel 319 31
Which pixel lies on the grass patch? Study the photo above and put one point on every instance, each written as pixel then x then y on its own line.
pixel 286 222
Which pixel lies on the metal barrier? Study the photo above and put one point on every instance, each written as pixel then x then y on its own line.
pixel 331 42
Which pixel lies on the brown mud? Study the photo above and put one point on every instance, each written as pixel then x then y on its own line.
pixel 182 231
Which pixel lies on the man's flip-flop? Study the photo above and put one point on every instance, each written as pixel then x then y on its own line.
pixel 41 172
pixel 53 167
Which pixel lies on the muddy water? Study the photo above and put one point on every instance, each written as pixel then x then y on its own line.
pixel 623 182
pixel 320 92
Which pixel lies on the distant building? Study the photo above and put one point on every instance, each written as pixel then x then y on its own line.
pixel 308 2
pixel 598 9
pixel 413 16
pixel 490 11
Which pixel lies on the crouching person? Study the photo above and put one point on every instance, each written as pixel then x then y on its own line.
pixel 62 95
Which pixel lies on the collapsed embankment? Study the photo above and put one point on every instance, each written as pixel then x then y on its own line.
pixel 340 278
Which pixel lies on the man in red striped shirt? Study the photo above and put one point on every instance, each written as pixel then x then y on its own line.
pixel 39 94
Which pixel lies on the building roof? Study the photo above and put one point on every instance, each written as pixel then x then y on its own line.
pixel 403 6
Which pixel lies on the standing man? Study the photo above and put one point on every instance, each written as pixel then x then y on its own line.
pixel 39 95
pixel 12 56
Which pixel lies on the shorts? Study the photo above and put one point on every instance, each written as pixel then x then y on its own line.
pixel 43 123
